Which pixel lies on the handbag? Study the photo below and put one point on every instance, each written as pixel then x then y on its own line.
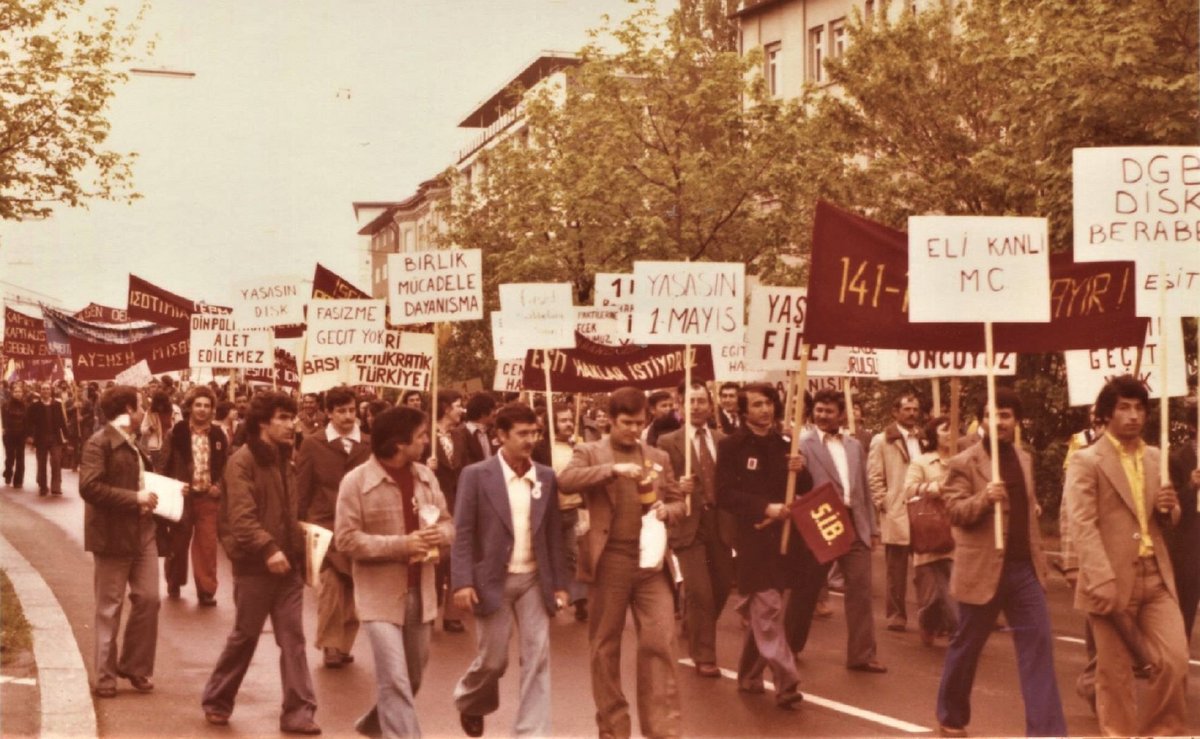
pixel 929 526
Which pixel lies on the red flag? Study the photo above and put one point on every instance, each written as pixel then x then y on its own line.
pixel 149 302
pixel 597 368
pixel 858 296
pixel 824 521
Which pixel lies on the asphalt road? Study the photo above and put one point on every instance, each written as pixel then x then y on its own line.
pixel 48 532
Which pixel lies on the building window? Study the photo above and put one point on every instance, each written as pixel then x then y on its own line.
pixel 816 54
pixel 773 69
pixel 837 38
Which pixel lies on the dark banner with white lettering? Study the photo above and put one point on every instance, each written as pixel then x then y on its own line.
pixel 24 336
pixel 286 373
pixel 95 361
pixel 96 313
pixel 327 284
pixel 596 368
pixel 858 296
pixel 149 302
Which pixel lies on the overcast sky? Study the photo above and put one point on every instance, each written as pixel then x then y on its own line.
pixel 297 109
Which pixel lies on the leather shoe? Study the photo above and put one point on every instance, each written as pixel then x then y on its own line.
pixel 871 666
pixel 139 683
pixel 472 725
pixel 896 625
pixel 106 691
pixel 951 731
pixel 309 728
pixel 708 669
pixel 789 701
pixel 347 658
pixel 173 591
pixel 822 610
pixel 752 688
pixel 216 719
pixel 453 626
pixel 333 658
pixel 207 600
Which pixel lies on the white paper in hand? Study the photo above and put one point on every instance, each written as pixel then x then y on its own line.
pixel 170 496
pixel 652 545
pixel 316 543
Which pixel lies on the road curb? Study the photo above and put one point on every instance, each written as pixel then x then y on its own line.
pixel 66 697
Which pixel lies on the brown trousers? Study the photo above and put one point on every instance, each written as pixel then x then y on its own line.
pixel 620 587
pixel 1164 699
pixel 337 621
pixel 197 530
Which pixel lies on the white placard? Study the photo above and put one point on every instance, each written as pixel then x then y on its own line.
pixel 689 302
pixel 542 311
pixel 905 364
pixel 406 363
pixel 217 341
pixel 775 334
pixel 268 301
pixel 508 340
pixel 603 325
pixel 612 290
pixel 139 375
pixel 1089 369
pixel 435 286
pixel 316 545
pixel 730 364
pixel 972 269
pixel 339 328
pixel 508 375
pixel 170 495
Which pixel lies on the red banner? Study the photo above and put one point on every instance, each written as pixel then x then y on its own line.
pixel 858 296
pixel 149 302
pixel 34 370
pixel 824 521
pixel 24 336
pixel 96 313
pixel 285 370
pixel 328 284
pixel 596 368
pixel 94 361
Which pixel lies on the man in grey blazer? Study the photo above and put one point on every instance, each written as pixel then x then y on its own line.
pixel 508 564
pixel 837 458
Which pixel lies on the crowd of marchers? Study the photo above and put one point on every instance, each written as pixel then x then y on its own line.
pixel 470 514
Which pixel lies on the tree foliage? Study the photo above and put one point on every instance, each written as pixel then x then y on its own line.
pixel 59 68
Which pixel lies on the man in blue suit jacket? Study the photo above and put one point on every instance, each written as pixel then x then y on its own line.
pixel 508 563
pixel 838 458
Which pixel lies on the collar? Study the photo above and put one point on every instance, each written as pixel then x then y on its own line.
pixel 375 475
pixel 473 427
pixel 826 436
pixel 510 474
pixel 121 424
pixel 332 435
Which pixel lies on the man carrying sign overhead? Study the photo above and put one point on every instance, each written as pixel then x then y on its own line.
pixel 987 580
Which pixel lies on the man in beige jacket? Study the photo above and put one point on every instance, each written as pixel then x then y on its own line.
pixel 887 465
pixel 379 525
pixel 1118 506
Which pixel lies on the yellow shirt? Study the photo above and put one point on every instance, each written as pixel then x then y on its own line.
pixel 1136 475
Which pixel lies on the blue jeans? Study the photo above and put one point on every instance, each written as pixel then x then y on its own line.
pixel 1023 601
pixel 478 692
pixel 401 653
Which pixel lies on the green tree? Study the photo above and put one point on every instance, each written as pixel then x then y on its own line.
pixel 666 148
pixel 59 68
pixel 975 107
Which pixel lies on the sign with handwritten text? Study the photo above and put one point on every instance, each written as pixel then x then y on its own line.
pixel 270 301
pixel 689 302
pixel 971 269
pixel 339 328
pixel 543 312
pixel 1087 371
pixel 435 285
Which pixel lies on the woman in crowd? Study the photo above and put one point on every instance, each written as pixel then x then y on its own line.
pixel 156 426
pixel 936 615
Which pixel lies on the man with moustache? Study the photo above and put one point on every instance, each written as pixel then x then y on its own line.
pixel 196 455
pixel 508 566
pixel 448 457
pixel 1118 508
pixel 322 461
pixel 622 479
pixel 261 533
pixel 703 539
pixel 887 465
pixel 986 580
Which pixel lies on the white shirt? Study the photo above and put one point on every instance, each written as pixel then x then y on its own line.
pixel 693 434
pixel 355 436
pixel 837 450
pixel 520 502
pixel 473 429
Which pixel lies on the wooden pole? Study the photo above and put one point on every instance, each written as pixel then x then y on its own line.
pixel 433 379
pixel 1137 362
pixel 578 416
pixel 955 416
pixel 850 423
pixel 688 434
pixel 274 364
pixel 937 397
pixel 995 442
pixel 801 380
pixel 549 402
pixel 1164 412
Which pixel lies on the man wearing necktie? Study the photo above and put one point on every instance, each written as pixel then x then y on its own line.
pixel 322 461
pixel 837 458
pixel 475 433
pixel 887 467
pixel 700 542
pixel 728 418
